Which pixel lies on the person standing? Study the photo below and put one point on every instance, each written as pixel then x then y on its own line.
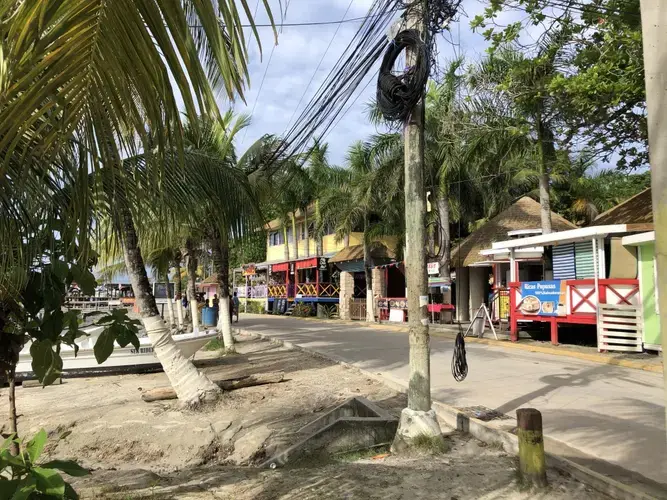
pixel 235 301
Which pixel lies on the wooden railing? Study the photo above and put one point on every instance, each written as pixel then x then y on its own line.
pixel 318 290
pixel 277 291
pixel 252 292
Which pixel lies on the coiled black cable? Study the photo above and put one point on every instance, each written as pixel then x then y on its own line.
pixel 459 362
pixel 398 95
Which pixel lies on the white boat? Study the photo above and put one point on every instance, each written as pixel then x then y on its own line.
pixel 125 359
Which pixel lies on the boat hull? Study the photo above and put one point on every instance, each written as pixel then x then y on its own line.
pixel 123 359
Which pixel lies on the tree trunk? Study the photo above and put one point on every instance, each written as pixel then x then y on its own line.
pixel 170 302
pixel 177 293
pixel 546 152
pixel 220 254
pixel 191 267
pixel 13 420
pixel 307 232
pixel 368 272
pixel 286 243
pixel 319 240
pixel 296 240
pixel 191 386
pixel 444 239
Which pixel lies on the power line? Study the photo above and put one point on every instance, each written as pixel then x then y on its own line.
pixel 314 23
pixel 317 68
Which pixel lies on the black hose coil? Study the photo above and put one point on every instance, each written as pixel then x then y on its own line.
pixel 398 95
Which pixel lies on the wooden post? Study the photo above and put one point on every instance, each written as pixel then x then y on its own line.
pixel 554 331
pixel 532 464
pixel 317 281
pixel 654 21
pixel 419 388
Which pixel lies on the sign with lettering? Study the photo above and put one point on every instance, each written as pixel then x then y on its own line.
pixel 543 298
pixel 323 264
pixel 433 268
pixel 249 270
pixel 291 268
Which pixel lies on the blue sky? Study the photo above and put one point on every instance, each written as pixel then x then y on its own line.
pixel 295 61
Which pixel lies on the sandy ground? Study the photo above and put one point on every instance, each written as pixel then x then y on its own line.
pixel 158 450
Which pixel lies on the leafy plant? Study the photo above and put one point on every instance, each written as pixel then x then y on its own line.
pixel 22 477
pixel 302 310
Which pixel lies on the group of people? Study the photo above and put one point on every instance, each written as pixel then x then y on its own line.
pixel 202 301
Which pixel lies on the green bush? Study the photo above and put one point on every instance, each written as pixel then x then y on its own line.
pixel 254 307
pixel 302 310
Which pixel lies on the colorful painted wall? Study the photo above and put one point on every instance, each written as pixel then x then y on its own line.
pixel 648 291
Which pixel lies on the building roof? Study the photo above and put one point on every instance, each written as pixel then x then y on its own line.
pixel 635 210
pixel 356 252
pixel 523 214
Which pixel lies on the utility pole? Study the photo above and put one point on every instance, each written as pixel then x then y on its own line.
pixel 418 419
pixel 654 35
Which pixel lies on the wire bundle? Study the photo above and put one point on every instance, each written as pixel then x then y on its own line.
pixel 398 95
pixel 459 362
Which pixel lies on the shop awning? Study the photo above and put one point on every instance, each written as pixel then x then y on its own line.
pixel 306 264
pixel 351 266
pixel 279 268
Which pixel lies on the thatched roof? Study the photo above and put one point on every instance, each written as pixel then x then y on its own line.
pixel 356 252
pixel 524 214
pixel 635 210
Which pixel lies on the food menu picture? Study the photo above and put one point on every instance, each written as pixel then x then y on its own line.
pixel 543 298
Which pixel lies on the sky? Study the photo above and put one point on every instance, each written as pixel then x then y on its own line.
pixel 307 52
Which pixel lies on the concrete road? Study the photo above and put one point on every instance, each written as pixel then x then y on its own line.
pixel 596 413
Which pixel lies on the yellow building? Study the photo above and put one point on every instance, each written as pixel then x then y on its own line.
pixel 299 270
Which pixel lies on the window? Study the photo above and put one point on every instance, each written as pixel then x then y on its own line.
pixel 304 233
pixel 276 238
pixel 290 235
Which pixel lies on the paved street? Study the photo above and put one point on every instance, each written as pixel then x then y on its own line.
pixel 606 412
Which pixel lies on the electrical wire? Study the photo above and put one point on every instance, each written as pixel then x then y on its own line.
pixel 398 95
pixel 291 25
pixel 318 66
pixel 459 361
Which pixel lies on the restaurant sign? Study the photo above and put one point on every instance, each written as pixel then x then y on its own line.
pixel 543 298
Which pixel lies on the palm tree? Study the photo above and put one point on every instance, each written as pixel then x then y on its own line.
pixel 522 82
pixel 367 198
pixel 96 73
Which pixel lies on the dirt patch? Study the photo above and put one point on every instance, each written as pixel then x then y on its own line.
pixel 467 471
pixel 161 451
pixel 102 421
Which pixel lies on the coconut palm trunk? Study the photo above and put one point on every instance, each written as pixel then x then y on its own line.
pixel 191 386
pixel 177 293
pixel 546 151
pixel 368 272
pixel 220 253
pixel 319 240
pixel 286 242
pixel 191 267
pixel 306 233
pixel 170 302
pixel 444 239
pixel 296 239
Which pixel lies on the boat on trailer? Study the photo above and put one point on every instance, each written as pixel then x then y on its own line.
pixel 122 360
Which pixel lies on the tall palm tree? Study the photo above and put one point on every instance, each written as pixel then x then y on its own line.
pixel 367 198
pixel 522 82
pixel 98 72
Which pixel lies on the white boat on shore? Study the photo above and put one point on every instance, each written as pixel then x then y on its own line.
pixel 123 359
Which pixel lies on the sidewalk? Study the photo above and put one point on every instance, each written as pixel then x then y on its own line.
pixel 606 417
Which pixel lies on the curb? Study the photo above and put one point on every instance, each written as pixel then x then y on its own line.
pixel 479 429
pixel 554 351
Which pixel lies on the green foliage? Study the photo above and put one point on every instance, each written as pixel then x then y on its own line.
pixel 302 310
pixel 254 307
pixel 600 92
pixel 23 477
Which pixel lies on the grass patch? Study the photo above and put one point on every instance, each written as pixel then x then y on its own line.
pixel 214 345
pixel 366 453
pixel 429 444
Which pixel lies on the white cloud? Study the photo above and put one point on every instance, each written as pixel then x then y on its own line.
pixel 295 58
